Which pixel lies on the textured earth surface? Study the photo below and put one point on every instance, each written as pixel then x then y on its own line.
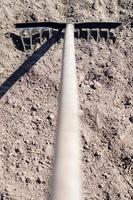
pixel 28 104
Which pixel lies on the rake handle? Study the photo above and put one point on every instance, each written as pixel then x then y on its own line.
pixel 67 168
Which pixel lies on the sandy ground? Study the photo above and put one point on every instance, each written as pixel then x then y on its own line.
pixel 28 104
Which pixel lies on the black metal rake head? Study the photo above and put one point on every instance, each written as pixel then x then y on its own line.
pixel 41 28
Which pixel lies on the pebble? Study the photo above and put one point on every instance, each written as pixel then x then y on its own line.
pixel 131 119
pixel 94 6
pixel 39 169
pixel 109 73
pixel 50 117
pixel 96 154
pixel 33 17
pixel 28 180
pixel 93 85
pixel 33 113
pixel 56 87
pixel 86 159
pixel 128 101
pixel 85 146
pixel 15 105
pixel 100 186
pixel 34 108
pixel 38 180
pixel 8 100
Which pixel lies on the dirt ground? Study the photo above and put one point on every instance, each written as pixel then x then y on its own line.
pixel 28 104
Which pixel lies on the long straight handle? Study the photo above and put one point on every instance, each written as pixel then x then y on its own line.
pixel 67 168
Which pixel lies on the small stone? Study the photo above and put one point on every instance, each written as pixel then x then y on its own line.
pixel 48 161
pixel 105 175
pixel 56 87
pixel 8 100
pixel 86 159
pixel 109 73
pixel 17 150
pixel 93 85
pixel 28 99
pixel 130 81
pixel 80 85
pixel 50 116
pixel 86 82
pixel 39 169
pixel 86 147
pixel 100 186
pixel 8 35
pixel 131 119
pixel 38 180
pixel 33 113
pixel 95 6
pixel 96 154
pixel 34 108
pixel 28 180
pixel 34 143
pixel 15 105
pixel 127 102
pixel 33 17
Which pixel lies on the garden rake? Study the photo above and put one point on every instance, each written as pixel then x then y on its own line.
pixel 66 183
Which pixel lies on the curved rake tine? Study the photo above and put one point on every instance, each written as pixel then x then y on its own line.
pixel 22 39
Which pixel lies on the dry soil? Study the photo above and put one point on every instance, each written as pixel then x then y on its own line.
pixel 28 104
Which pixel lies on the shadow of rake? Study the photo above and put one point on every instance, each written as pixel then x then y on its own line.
pixel 27 65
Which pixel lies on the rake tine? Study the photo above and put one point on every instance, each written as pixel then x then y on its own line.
pixel 22 39
pixel 88 34
pixel 50 33
pixel 78 32
pixel 98 34
pixel 30 38
pixel 108 35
